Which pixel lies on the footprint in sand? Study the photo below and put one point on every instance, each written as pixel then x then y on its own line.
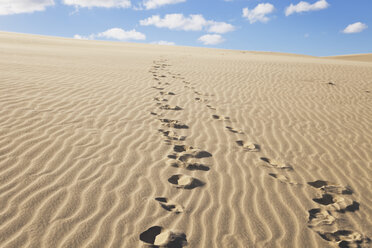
pixel 276 164
pixel 282 178
pixel 163 93
pixel 185 182
pixel 330 83
pixel 160 99
pixel 234 130
pixel 169 205
pixel 337 203
pixel 329 187
pixel 221 118
pixel 160 237
pixel 170 135
pixel 189 165
pixel 248 146
pixel 173 124
pixel 198 99
pixel 345 238
pixel 157 88
pixel 188 152
pixel 318 217
pixel 170 107
pixel 210 107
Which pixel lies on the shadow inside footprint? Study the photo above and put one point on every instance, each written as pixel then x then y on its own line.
pixel 169 205
pixel 330 187
pixel 233 130
pixel 191 166
pixel 351 208
pixel 185 182
pixel 326 199
pixel 157 236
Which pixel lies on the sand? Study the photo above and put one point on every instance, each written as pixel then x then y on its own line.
pixel 108 144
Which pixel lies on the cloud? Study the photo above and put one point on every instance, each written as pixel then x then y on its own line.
pixel 211 39
pixel 10 7
pixel 153 4
pixel 99 3
pixel 220 27
pixel 163 42
pixel 190 23
pixel 176 21
pixel 259 12
pixel 306 7
pixel 114 34
pixel 355 28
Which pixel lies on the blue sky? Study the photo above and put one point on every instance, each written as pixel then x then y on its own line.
pixel 313 27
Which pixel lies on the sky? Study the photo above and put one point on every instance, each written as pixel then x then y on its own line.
pixel 311 27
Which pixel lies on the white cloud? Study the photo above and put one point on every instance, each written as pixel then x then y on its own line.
pixel 355 28
pixel 220 27
pixel 163 42
pixel 211 39
pixel 305 7
pixel 115 34
pixel 99 3
pixel 259 13
pixel 176 21
pixel 153 4
pixel 190 23
pixel 10 7
pixel 121 34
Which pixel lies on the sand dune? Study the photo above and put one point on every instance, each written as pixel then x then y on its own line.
pixel 355 57
pixel 106 144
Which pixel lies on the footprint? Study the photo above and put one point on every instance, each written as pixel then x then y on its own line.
pixel 167 93
pixel 172 135
pixel 248 146
pixel 210 107
pixel 198 99
pixel 345 238
pixel 329 187
pixel 173 124
pixel 185 182
pixel 233 130
pixel 223 118
pixel 161 237
pixel 318 217
pixel 190 165
pixel 185 153
pixel 170 107
pixel 157 88
pixel 337 203
pixel 330 83
pixel 160 99
pixel 282 178
pixel 169 205
pixel 276 164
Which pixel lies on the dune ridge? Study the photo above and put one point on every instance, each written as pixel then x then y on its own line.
pixel 107 144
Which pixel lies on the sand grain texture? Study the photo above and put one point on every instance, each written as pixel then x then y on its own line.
pixel 106 144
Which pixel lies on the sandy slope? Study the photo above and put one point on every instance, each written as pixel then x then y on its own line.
pixel 83 163
pixel 355 57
